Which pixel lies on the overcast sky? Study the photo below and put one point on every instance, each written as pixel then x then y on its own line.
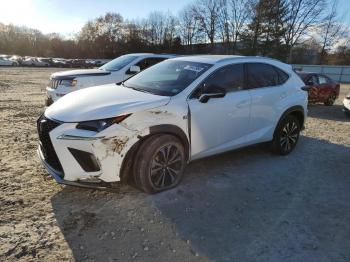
pixel 68 16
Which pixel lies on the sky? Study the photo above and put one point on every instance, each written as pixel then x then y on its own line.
pixel 68 16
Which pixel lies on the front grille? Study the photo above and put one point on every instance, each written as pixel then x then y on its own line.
pixel 54 83
pixel 45 126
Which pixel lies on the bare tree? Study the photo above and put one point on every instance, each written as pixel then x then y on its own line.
pixel 331 30
pixel 207 13
pixel 303 14
pixel 188 25
pixel 240 13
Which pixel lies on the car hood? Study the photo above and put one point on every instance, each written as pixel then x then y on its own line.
pixel 101 102
pixel 79 73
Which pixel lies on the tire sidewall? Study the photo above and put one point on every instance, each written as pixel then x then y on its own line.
pixel 144 158
pixel 276 142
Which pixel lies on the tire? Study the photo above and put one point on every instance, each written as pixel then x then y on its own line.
pixel 286 135
pixel 152 171
pixel 330 100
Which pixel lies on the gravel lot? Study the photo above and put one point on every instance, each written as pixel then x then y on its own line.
pixel 245 205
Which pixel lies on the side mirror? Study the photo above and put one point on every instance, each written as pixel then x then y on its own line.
pixel 306 88
pixel 211 92
pixel 134 69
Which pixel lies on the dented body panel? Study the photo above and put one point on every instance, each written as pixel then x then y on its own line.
pixel 111 145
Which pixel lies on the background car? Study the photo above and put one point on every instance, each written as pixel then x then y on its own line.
pixel 322 88
pixel 7 62
pixel 117 70
pixel 346 105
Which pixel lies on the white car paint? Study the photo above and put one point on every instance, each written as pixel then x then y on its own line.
pixel 239 119
pixel 346 105
pixel 92 77
pixel 7 62
pixel 32 61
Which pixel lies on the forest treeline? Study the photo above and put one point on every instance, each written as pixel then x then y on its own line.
pixel 295 31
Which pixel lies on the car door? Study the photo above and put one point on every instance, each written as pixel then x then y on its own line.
pixel 324 88
pixel 220 123
pixel 313 93
pixel 266 86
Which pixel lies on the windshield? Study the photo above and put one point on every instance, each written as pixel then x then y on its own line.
pixel 118 63
pixel 167 78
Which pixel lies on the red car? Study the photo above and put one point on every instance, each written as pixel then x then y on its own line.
pixel 322 88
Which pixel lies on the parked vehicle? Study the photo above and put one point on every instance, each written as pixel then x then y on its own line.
pixel 322 88
pixel 149 127
pixel 7 62
pixel 32 61
pixel 16 60
pixel 117 70
pixel 346 105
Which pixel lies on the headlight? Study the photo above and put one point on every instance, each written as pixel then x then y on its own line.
pixel 101 124
pixel 69 82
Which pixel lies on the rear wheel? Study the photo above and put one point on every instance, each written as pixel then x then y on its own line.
pixel 160 163
pixel 330 100
pixel 286 135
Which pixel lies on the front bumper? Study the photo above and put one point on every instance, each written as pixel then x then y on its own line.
pixel 57 93
pixel 57 175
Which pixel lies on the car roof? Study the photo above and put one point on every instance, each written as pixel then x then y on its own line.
pixel 216 59
pixel 153 54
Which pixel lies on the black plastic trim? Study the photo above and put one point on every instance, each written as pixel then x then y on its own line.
pixel 85 159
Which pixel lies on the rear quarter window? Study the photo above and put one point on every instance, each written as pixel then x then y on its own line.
pixel 264 75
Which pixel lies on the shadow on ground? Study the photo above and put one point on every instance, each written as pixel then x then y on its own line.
pixel 246 205
pixel 333 112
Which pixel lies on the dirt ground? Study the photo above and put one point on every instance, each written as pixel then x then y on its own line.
pixel 245 205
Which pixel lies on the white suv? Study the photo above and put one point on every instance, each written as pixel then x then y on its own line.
pixel 115 71
pixel 152 125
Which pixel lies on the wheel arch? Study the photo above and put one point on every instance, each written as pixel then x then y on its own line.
pixel 126 167
pixel 297 111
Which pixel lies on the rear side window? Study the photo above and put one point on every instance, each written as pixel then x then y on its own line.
pixel 229 77
pixel 322 80
pixel 264 75
pixel 282 76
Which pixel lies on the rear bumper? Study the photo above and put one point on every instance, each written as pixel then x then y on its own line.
pixel 57 175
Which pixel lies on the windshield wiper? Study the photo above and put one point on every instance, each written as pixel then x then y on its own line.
pixel 135 88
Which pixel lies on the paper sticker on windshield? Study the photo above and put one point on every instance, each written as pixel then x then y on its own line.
pixel 194 68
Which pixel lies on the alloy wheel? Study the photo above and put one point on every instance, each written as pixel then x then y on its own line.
pixel 166 166
pixel 289 136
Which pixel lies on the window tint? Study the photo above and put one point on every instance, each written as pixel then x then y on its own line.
pixel 147 62
pixel 282 76
pixel 322 80
pixel 312 80
pixel 263 75
pixel 229 77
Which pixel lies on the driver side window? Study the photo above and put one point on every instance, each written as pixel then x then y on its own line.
pixel 230 78
pixel 313 79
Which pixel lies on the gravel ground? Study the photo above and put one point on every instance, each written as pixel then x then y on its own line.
pixel 245 205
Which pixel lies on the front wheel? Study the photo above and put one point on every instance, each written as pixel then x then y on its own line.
pixel 159 163
pixel 330 100
pixel 286 135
